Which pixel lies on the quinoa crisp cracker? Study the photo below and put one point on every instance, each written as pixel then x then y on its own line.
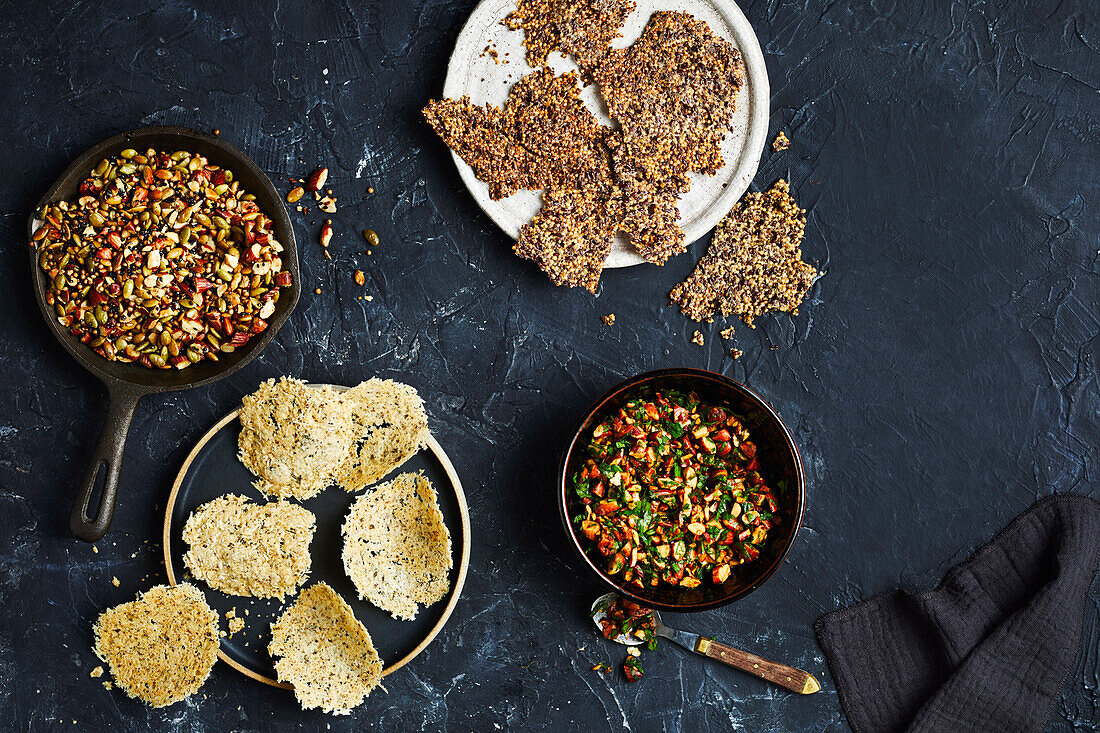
pixel 325 652
pixel 397 550
pixel 583 28
pixel 754 263
pixel 247 549
pixel 161 647
pixel 672 93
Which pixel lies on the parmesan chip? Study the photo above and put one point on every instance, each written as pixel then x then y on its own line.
pixel 325 652
pixel 293 437
pixel 389 426
pixel 397 551
pixel 246 549
pixel 161 647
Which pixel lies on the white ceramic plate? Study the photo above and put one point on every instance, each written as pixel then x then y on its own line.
pixel 473 72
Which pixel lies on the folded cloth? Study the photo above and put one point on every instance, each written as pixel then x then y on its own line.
pixel 989 649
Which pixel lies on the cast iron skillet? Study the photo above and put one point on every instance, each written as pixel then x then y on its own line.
pixel 780 464
pixel 127 383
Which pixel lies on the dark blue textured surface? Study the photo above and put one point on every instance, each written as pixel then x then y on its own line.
pixel 941 378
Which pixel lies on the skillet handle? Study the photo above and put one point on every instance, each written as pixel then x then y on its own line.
pixel 107 455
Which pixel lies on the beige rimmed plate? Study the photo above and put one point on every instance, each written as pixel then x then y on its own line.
pixel 471 71
pixel 212 469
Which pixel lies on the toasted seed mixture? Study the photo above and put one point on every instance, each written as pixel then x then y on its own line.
pixel 781 142
pixel 235 624
pixel 727 333
pixel 161 647
pixel 163 260
pixel 293 437
pixel 543 138
pixel 754 264
pixel 397 550
pixel 697 338
pixel 389 425
pixel 673 93
pixel 247 549
pixel 325 652
pixel 571 236
pixel 583 28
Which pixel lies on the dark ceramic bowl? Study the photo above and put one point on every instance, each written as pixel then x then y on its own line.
pixel 780 465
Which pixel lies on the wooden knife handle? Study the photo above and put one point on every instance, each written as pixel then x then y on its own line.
pixel 793 679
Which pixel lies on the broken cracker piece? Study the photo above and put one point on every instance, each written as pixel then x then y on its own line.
pixel 673 92
pixel 247 549
pixel 544 137
pixel 325 652
pixel 397 550
pixel 161 647
pixel 754 263
pixel 570 237
pixel 582 28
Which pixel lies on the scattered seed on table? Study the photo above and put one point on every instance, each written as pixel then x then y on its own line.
pixel 317 179
pixel 371 237
pixel 360 278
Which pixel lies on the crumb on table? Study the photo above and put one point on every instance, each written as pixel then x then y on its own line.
pixel 609 319
pixel 697 338
pixel 782 142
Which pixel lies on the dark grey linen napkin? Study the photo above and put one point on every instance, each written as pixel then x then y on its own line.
pixel 989 649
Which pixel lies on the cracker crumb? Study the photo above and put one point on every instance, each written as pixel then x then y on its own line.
pixel 325 652
pixel 97 672
pixel 397 550
pixel 727 333
pixel 609 319
pixel 95 549
pixel 114 582
pixel 736 353
pixel 781 142
pixel 161 647
pixel 235 625
pixel 107 685
pixel 697 338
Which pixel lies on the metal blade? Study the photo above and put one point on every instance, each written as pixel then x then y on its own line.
pixel 683 638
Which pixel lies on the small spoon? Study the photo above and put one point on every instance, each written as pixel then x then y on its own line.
pixel 793 679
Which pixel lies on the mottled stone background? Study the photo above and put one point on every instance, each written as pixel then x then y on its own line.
pixel 942 376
